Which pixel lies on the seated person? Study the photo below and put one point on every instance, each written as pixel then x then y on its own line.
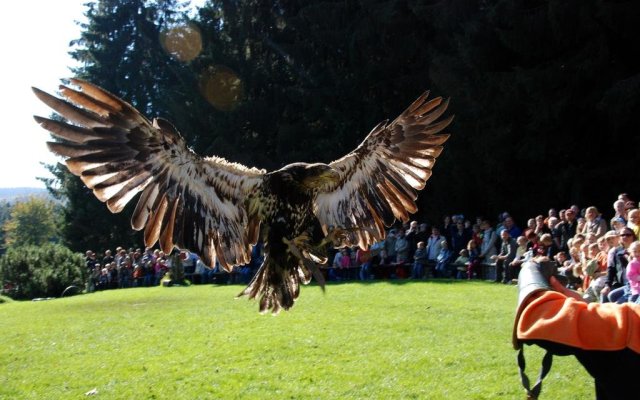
pixel 204 271
pixel 524 251
pixel 442 261
pixel 461 264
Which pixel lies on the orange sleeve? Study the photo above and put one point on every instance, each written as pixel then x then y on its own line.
pixel 554 317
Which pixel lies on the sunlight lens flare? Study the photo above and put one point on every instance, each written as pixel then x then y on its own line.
pixel 222 87
pixel 183 42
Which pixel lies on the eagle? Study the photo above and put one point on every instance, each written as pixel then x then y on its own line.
pixel 220 209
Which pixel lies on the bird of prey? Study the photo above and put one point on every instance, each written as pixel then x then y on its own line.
pixel 220 210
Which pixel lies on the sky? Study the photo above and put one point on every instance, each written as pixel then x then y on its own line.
pixel 34 39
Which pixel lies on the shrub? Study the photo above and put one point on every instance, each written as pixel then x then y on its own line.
pixel 27 272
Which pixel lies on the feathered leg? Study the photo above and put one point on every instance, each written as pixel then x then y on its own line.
pixel 277 282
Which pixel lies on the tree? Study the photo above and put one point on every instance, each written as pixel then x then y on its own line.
pixel 119 49
pixel 32 222
pixel 5 214
pixel 531 82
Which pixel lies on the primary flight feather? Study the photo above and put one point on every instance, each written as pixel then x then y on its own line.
pixel 220 210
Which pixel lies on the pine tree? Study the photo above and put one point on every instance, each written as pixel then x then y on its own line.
pixel 120 50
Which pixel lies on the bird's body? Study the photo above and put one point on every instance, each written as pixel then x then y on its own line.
pixel 220 210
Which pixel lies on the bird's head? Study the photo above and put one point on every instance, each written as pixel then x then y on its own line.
pixel 310 176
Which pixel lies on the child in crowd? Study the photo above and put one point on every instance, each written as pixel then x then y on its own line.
pixel 473 266
pixel 462 264
pixel 419 261
pixel 103 280
pixel 633 271
pixel 593 274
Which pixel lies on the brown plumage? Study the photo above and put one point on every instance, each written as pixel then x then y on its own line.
pixel 220 209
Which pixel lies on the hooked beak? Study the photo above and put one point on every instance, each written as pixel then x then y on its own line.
pixel 322 175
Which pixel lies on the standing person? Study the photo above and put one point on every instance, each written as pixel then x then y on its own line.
pixel 90 261
pixel 504 258
pixel 363 258
pixel 108 257
pixel 411 236
pixel 567 229
pixel 510 225
pixel 125 272
pixel 333 273
pixel 419 261
pixel 488 248
pixel 433 248
pixel 603 337
pixel 459 237
pixel 402 248
pixel 447 228
pixel 390 247
pixel 616 288
pixel 423 233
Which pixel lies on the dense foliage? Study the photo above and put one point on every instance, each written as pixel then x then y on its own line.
pixel 40 271
pixel 31 222
pixel 5 214
pixel 545 92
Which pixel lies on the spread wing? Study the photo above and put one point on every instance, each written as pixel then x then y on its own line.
pixel 379 180
pixel 203 204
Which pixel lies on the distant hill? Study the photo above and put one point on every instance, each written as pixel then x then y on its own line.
pixel 21 193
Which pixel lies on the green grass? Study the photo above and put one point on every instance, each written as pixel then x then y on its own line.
pixel 383 340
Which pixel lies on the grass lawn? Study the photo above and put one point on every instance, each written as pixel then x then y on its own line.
pixel 381 340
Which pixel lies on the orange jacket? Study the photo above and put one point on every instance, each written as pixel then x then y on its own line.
pixel 551 316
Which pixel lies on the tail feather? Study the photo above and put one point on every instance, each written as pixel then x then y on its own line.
pixel 277 281
pixel 277 286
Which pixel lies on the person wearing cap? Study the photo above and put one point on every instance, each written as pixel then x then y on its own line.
pixel 604 338
pixel 618 223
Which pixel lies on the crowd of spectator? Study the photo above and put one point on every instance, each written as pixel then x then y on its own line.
pixel 134 267
pixel 596 256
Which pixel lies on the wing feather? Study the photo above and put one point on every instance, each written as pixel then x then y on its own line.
pixel 187 200
pixel 379 180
